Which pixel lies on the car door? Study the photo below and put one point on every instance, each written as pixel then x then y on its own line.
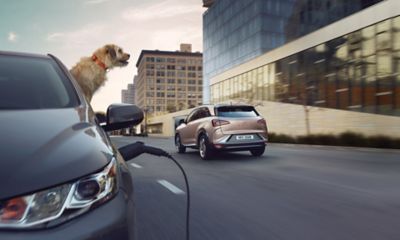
pixel 186 133
pixel 195 123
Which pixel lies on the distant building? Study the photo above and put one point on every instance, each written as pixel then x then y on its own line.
pixel 128 95
pixel 169 81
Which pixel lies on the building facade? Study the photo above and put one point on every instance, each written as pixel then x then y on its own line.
pixel 338 55
pixel 237 31
pixel 128 95
pixel 169 81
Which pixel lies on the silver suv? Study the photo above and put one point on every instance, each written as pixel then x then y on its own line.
pixel 211 128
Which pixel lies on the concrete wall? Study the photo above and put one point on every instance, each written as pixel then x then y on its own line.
pixel 168 122
pixel 291 119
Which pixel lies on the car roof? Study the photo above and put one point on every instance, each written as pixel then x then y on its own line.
pixel 212 107
pixel 22 54
pixel 233 105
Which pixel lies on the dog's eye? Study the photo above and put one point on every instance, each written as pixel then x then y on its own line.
pixel 119 50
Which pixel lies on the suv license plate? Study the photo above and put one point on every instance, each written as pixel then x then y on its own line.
pixel 244 137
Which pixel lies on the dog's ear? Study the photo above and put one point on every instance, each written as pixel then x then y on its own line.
pixel 110 50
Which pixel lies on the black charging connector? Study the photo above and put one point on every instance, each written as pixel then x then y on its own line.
pixel 135 149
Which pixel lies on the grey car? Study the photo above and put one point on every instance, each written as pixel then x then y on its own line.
pixel 60 176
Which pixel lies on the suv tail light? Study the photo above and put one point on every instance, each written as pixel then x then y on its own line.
pixel 219 122
pixel 262 122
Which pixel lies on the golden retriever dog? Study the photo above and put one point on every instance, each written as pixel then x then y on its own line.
pixel 90 72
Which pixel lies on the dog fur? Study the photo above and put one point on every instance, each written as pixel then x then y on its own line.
pixel 90 72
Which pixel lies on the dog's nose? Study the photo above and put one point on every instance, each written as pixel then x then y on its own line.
pixel 128 55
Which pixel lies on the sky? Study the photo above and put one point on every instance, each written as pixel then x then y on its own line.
pixel 76 28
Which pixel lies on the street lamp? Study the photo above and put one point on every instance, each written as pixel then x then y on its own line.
pixel 145 110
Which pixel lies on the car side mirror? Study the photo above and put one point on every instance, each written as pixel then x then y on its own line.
pixel 182 121
pixel 122 116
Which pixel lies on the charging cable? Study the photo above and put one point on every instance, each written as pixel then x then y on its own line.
pixel 135 149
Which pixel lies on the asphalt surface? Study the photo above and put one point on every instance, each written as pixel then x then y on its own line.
pixel 292 192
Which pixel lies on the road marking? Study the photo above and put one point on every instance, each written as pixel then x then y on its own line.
pixel 135 165
pixel 170 187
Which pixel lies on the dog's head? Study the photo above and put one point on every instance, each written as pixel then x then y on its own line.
pixel 112 56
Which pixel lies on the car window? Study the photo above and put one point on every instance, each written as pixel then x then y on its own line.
pixel 192 116
pixel 236 111
pixel 34 83
pixel 203 112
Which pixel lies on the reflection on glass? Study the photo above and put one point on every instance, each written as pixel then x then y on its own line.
pixel 348 73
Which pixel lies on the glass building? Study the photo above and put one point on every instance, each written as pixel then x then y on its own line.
pixel 355 71
pixel 235 31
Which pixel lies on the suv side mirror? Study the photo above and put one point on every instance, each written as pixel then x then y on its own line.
pixel 182 121
pixel 122 116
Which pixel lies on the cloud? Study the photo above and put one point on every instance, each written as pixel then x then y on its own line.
pixel 12 37
pixel 83 36
pixel 92 2
pixel 164 9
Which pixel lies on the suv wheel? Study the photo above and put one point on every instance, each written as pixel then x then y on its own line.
pixel 179 147
pixel 204 148
pixel 257 151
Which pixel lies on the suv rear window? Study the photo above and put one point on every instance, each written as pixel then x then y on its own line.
pixel 236 111
pixel 34 83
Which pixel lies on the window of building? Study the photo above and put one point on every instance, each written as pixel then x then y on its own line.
pixel 191 88
pixel 149 59
pixel 160 87
pixel 160 66
pixel 150 81
pixel 160 74
pixel 150 73
pixel 192 74
pixel 160 80
pixel 181 74
pixel 171 74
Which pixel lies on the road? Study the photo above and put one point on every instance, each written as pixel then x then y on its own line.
pixel 292 192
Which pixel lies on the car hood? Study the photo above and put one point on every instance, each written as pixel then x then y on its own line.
pixel 44 148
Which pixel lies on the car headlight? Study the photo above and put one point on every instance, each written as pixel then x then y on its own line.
pixel 58 204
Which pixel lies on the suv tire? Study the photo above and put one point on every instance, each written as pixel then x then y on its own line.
pixel 205 150
pixel 178 144
pixel 257 152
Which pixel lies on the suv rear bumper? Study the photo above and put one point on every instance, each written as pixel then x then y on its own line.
pixel 225 144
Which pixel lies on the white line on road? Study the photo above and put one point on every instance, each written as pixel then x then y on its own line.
pixel 170 187
pixel 135 165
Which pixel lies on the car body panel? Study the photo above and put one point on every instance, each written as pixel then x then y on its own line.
pixel 43 148
pixel 106 222
pixel 48 147
pixel 243 126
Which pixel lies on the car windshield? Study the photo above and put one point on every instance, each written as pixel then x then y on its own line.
pixel 236 111
pixel 33 83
